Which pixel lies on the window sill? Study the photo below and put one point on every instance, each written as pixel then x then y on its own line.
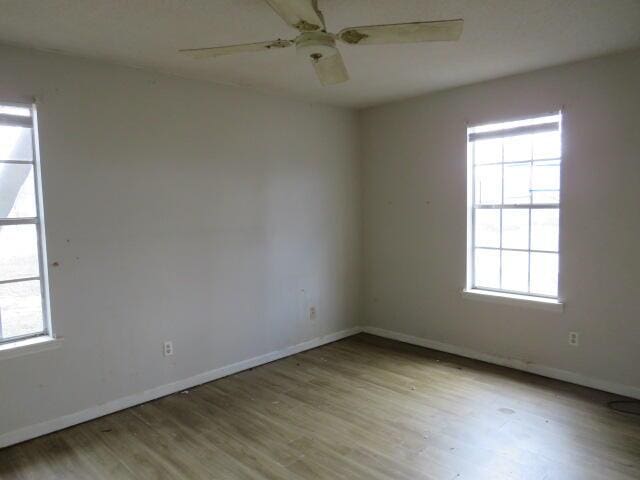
pixel 29 345
pixel 548 304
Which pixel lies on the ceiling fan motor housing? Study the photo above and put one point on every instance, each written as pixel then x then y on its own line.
pixel 316 45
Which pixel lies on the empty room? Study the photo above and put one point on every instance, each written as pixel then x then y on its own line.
pixel 320 239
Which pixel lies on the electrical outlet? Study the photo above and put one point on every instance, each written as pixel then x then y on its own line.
pixel 168 348
pixel 574 339
pixel 312 313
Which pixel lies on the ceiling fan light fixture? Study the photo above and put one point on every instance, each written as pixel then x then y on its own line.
pixel 316 45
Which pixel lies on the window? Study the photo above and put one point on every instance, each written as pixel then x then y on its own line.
pixel 514 206
pixel 22 289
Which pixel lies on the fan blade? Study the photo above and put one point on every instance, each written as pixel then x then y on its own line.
pixel 231 49
pixel 301 14
pixel 331 70
pixel 446 30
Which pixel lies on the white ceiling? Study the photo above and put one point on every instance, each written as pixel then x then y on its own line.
pixel 500 37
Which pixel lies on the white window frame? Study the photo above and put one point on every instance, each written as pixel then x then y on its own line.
pixel 33 341
pixel 497 294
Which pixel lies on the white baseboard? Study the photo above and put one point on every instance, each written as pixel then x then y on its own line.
pixel 556 373
pixel 33 431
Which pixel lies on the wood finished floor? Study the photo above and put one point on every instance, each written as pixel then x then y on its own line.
pixel 360 408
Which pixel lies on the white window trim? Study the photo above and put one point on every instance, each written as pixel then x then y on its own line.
pixel 500 296
pixel 27 346
pixel 35 342
pixel 542 303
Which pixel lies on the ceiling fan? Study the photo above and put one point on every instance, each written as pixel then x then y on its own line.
pixel 320 46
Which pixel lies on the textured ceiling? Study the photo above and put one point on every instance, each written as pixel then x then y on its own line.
pixel 500 37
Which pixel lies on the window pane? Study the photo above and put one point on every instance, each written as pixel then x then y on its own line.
pixel 487 223
pixel 515 271
pixel 546 145
pixel 18 252
pixel 515 228
pixel 544 229
pixel 15 110
pixel 513 174
pixel 17 195
pixel 517 184
pixel 15 143
pixel 544 273
pixel 488 184
pixel 20 309
pixel 545 181
pixel 488 151
pixel 487 268
pixel 517 148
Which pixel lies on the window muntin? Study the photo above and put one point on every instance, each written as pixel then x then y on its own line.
pixel 22 288
pixel 514 207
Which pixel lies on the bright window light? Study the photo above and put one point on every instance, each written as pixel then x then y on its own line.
pixel 22 290
pixel 514 206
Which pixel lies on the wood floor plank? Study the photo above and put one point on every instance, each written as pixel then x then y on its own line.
pixel 361 408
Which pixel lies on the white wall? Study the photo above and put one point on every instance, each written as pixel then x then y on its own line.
pixel 184 211
pixel 415 219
